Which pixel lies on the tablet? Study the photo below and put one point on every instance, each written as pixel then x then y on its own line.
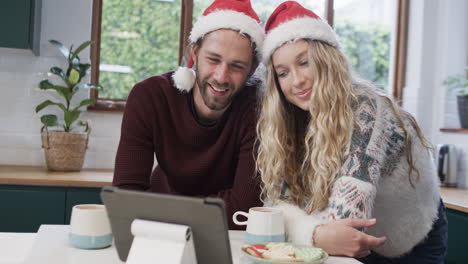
pixel 205 216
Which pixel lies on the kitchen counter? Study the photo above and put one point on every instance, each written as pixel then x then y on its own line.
pixel 455 198
pixel 29 175
pixel 50 245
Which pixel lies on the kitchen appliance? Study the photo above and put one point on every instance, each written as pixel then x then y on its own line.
pixel 447 164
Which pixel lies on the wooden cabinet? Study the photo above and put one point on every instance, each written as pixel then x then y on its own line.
pixel 20 22
pixel 25 208
pixel 457 237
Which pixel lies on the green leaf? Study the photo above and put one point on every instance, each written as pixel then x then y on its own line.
pixel 72 58
pixel 74 77
pixel 61 47
pixel 63 91
pixel 71 116
pixel 59 72
pixel 47 103
pixel 86 102
pixel 83 68
pixel 49 120
pixel 80 48
pixel 45 84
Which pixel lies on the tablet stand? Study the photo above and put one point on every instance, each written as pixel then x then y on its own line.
pixel 158 242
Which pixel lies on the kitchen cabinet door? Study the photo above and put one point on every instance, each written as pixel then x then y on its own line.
pixel 80 196
pixel 457 237
pixel 25 208
pixel 20 24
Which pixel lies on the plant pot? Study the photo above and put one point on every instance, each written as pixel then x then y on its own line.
pixel 463 110
pixel 64 151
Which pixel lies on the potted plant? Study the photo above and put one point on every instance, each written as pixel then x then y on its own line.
pixel 65 140
pixel 459 84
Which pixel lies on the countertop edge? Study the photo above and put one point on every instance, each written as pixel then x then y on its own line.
pixel 40 176
pixel 54 182
pixel 455 198
pixel 456 207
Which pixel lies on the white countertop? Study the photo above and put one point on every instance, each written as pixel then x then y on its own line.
pixel 50 246
pixel 15 246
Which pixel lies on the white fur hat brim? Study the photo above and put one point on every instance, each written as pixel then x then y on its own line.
pixel 228 19
pixel 295 29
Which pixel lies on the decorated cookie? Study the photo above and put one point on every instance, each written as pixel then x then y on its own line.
pixel 284 248
pixel 280 256
pixel 280 251
pixel 309 253
pixel 254 250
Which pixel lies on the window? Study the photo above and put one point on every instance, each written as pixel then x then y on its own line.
pixel 136 39
pixel 368 36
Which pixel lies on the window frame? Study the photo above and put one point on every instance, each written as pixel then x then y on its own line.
pixel 118 105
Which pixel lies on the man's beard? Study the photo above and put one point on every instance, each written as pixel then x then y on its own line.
pixel 214 102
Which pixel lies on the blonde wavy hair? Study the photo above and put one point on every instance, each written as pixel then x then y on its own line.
pixel 306 150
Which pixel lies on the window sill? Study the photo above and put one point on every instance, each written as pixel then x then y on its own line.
pixel 454 130
pixel 108 106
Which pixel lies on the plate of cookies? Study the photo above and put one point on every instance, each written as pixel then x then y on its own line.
pixel 284 253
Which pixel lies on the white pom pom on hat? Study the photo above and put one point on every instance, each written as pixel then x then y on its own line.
pixel 184 78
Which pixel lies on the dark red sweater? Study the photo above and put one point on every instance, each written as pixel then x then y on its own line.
pixel 193 159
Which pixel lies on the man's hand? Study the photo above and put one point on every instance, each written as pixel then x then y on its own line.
pixel 341 237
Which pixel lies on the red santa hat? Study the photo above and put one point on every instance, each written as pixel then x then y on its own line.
pixel 221 14
pixel 289 22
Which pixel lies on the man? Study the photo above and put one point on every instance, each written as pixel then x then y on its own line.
pixel 200 123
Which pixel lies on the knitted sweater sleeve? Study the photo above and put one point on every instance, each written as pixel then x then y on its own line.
pixel 353 193
pixel 135 154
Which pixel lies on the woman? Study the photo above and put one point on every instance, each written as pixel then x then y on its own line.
pixel 334 152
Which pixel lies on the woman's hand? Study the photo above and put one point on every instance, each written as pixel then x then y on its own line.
pixel 341 237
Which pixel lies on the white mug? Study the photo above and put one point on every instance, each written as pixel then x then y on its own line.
pixel 264 224
pixel 90 227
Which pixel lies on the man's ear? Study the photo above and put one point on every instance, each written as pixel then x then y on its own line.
pixel 193 53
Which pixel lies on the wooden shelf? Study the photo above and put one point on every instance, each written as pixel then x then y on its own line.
pixel 25 175
pixel 454 130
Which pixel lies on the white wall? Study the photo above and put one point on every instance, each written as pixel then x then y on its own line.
pixel 438 46
pixel 20 72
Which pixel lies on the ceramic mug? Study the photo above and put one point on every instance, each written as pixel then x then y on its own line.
pixel 90 227
pixel 264 224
